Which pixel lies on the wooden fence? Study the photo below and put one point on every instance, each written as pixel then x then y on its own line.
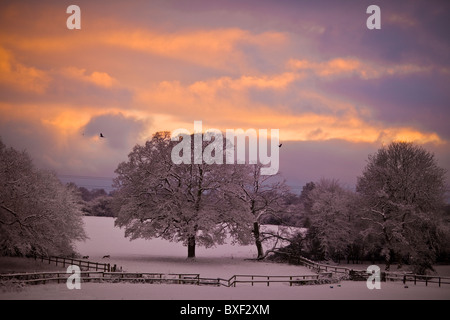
pixel 415 278
pixel 266 280
pixel 102 276
pixel 195 279
pixel 104 273
pixel 145 277
pixel 327 269
pixel 363 275
pixel 320 267
pixel 83 264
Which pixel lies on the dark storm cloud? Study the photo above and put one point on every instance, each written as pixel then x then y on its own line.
pixel 120 132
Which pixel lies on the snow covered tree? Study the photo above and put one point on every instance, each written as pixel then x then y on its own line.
pixel 254 197
pixel 100 206
pixel 331 216
pixel 306 203
pixel 38 215
pixel 158 198
pixel 403 188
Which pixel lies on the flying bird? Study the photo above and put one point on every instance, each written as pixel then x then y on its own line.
pixel 280 145
pixel 101 135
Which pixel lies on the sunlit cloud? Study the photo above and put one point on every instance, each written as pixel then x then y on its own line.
pixel 346 67
pixel 20 76
pixel 304 70
pixel 219 49
pixel 101 79
pixel 211 48
pixel 340 119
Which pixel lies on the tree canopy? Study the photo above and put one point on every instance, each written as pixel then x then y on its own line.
pixel 38 215
pixel 402 189
pixel 157 198
pixel 194 203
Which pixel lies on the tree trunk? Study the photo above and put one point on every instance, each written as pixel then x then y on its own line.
pixel 191 247
pixel 258 242
pixel 388 260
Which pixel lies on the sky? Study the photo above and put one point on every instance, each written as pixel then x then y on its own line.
pixel 336 90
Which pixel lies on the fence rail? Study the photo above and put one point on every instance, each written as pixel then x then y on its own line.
pixel 363 275
pixel 102 276
pixel 85 264
pixel 319 267
pixel 195 279
pixel 103 273
pixel 255 279
pixel 414 278
pixel 171 278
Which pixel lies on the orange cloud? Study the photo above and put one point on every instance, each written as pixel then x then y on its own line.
pixel 344 67
pixel 211 48
pixel 219 49
pixel 101 79
pixel 209 97
pixel 223 103
pixel 19 76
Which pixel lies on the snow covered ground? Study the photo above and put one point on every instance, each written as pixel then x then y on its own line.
pixel 162 256
pixel 222 261
pixel 349 290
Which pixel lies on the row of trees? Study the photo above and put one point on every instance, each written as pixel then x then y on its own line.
pixel 96 202
pixel 395 213
pixel 38 215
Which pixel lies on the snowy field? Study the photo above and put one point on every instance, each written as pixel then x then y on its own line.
pixel 222 261
pixel 163 256
pixel 349 290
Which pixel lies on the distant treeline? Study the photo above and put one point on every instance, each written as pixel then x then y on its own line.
pixel 95 202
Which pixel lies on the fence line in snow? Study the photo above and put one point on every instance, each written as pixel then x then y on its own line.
pixel 85 264
pixel 145 277
pixel 192 278
pixel 363 274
